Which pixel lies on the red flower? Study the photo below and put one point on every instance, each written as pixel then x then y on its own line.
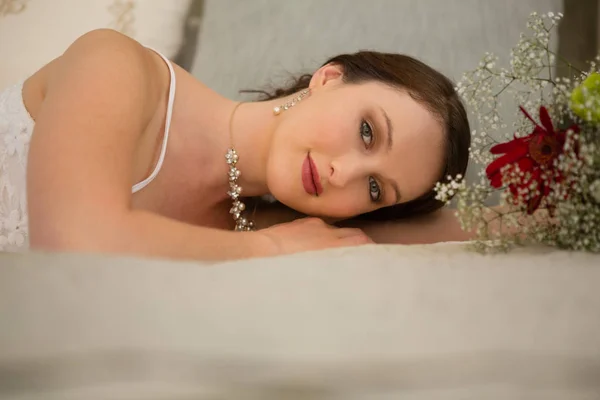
pixel 534 155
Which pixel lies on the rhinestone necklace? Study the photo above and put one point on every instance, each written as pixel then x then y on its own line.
pixel 237 210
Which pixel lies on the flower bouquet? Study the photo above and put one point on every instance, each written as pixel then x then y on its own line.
pixel 544 168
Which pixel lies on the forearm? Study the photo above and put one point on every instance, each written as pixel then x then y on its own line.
pixel 444 226
pixel 150 235
pixel 163 237
pixel 440 226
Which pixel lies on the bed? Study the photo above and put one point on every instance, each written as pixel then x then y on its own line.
pixel 377 322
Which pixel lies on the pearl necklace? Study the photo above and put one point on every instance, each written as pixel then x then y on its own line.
pixel 235 190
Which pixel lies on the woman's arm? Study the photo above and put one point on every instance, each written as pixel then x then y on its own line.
pixel 439 226
pixel 100 96
pixel 443 226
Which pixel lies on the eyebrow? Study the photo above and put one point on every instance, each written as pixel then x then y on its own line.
pixel 395 186
pixel 390 129
pixel 390 143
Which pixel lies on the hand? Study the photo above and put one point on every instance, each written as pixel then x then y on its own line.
pixel 307 234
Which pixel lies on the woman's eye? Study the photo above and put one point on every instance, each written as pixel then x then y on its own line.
pixel 374 190
pixel 366 133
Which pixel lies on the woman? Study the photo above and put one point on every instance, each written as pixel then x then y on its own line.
pixel 111 148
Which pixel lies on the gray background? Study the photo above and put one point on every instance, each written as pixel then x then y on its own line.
pixel 253 43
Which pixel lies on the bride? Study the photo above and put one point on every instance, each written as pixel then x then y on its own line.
pixel 112 148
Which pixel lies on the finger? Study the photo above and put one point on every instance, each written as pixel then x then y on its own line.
pixel 352 241
pixel 310 221
pixel 319 223
pixel 359 240
pixel 348 232
pixel 355 238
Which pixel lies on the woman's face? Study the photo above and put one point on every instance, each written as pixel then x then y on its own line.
pixel 349 149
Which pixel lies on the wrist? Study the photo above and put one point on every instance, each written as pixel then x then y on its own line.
pixel 257 244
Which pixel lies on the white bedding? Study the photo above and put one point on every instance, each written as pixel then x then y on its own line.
pixel 424 322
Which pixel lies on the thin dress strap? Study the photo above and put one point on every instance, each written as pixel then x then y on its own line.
pixel 173 83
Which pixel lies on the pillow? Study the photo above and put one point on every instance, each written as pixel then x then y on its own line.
pixel 32 33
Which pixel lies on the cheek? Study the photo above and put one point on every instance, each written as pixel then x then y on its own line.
pixel 317 129
pixel 348 202
pixel 346 206
pixel 332 138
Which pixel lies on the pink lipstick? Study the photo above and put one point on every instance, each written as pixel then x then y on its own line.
pixel 310 177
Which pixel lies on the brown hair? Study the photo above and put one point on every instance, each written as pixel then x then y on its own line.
pixel 425 85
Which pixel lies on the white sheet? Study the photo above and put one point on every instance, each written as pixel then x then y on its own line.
pixel 423 322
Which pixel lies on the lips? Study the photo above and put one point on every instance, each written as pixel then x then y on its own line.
pixel 310 177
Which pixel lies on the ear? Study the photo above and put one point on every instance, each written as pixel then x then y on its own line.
pixel 327 75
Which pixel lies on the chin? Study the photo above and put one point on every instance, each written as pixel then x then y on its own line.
pixel 290 201
pixel 283 187
pixel 295 201
pixel 302 205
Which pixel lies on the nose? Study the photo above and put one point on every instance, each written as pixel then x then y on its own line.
pixel 344 170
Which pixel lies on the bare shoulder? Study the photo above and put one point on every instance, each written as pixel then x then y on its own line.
pixel 103 62
pixel 108 47
pixel 99 99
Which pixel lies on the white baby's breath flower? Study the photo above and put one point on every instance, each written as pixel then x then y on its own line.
pixel 529 82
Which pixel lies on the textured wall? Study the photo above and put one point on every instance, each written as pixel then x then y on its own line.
pixel 250 44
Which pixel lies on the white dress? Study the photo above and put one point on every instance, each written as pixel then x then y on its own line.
pixel 16 128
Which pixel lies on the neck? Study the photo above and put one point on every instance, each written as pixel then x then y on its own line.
pixel 210 138
pixel 252 128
